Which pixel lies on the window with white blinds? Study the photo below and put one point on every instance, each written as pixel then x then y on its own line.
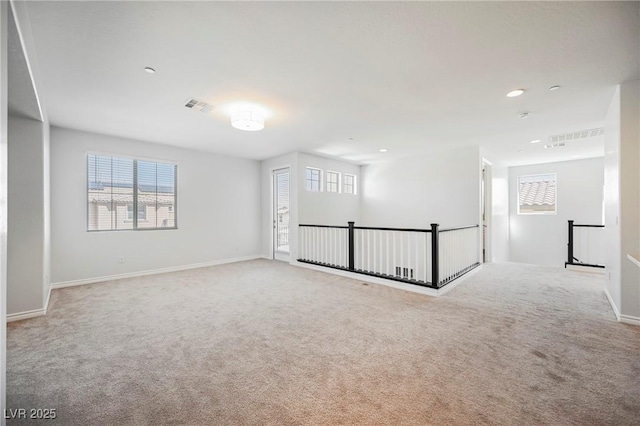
pixel 124 193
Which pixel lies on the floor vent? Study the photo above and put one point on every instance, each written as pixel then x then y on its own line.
pixel 573 136
pixel 198 105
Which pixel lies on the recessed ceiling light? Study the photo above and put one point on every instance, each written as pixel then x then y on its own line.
pixel 554 87
pixel 150 70
pixel 575 156
pixel 535 141
pixel 514 93
pixel 524 115
pixel 383 149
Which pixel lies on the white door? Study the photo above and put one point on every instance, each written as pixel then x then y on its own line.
pixel 281 213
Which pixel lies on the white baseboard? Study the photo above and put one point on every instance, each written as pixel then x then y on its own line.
pixel 447 288
pixel 26 314
pixel 93 280
pixel 43 311
pixel 33 313
pixel 613 305
pixel 389 283
pixel 628 319
pixel 369 279
pixel 46 303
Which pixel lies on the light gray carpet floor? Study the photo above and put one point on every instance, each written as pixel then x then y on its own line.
pixel 265 343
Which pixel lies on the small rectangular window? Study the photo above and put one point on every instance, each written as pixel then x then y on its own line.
pixel 333 181
pixel 124 193
pixel 349 184
pixel 537 194
pixel 314 179
pixel 142 212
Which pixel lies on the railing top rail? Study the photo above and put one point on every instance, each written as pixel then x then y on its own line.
pixel 372 228
pixel 324 226
pixel 458 228
pixel 587 226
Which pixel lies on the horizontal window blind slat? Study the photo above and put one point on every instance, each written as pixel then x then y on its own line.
pixel 112 189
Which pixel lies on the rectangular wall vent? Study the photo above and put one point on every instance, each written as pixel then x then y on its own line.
pixel 198 105
pixel 582 134
pixel 406 273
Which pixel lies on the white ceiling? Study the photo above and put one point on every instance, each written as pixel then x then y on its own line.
pixel 407 76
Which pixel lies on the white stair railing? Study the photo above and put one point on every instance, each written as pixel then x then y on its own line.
pixel 429 257
pixel 459 251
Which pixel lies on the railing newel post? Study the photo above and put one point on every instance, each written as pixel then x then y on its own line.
pixel 351 246
pixel 570 245
pixel 435 258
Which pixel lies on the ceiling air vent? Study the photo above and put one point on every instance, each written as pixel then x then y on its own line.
pixel 198 105
pixel 582 134
pixel 554 145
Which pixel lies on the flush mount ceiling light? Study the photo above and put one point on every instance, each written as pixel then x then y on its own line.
pixel 515 93
pixel 247 119
pixel 554 87
pixel 535 141
pixel 150 70
pixel 383 149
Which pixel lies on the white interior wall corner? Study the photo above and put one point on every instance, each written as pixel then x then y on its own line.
pixel 4 10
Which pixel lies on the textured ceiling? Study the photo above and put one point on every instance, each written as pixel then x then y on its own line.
pixel 339 78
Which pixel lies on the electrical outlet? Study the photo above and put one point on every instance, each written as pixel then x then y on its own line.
pixel 121 259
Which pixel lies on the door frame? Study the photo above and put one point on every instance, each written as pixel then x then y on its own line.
pixel 486 209
pixel 273 253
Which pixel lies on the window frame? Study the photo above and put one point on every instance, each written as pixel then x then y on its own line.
pixel 337 183
pixel 540 213
pixel 135 192
pixel 354 184
pixel 320 181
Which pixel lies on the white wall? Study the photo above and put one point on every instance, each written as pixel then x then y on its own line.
pixel 542 239
pixel 218 211
pixel 612 199
pixel 327 208
pixel 4 10
pixel 26 274
pixel 622 200
pixel 500 213
pixel 630 198
pixel 416 191
pixel 46 227
pixel 306 207
pixel 30 159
